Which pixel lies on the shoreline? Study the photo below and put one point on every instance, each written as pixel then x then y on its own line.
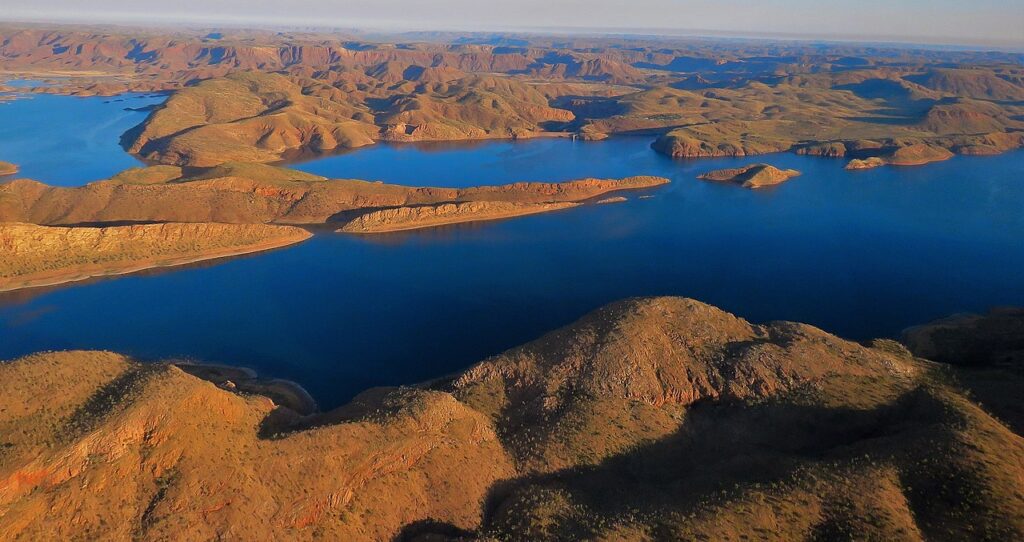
pixel 237 378
pixel 484 217
pixel 84 273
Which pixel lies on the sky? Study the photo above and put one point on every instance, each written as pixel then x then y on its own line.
pixel 927 21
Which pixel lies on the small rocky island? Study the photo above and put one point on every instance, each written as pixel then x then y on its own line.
pixel 752 176
pixel 911 155
pixel 7 168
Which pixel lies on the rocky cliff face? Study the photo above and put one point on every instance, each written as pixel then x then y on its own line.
pixel 39 255
pixel 649 418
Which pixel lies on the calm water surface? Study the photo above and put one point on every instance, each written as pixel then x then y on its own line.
pixel 861 254
pixel 69 141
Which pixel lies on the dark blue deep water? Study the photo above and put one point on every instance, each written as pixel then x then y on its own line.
pixel 861 254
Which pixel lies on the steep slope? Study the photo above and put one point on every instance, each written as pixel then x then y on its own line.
pixel 659 418
pixel 987 354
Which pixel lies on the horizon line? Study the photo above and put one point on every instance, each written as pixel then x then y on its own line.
pixel 397 29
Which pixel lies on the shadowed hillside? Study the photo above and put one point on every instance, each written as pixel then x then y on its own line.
pixel 650 418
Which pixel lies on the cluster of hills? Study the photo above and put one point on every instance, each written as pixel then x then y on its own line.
pixel 657 418
pixel 648 419
pixel 260 96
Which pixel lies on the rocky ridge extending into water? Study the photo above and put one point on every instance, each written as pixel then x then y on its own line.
pixel 428 216
pixel 44 255
pixel 559 196
pixel 256 193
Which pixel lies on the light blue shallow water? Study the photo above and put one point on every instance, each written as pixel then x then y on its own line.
pixel 68 141
pixel 861 254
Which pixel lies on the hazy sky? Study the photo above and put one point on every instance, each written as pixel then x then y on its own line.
pixel 944 21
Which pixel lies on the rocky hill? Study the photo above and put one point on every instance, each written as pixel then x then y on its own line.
pixel 658 418
pixel 912 155
pixel 258 117
pixel 752 176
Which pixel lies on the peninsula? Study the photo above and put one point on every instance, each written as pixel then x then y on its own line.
pixel 242 193
pixel 45 255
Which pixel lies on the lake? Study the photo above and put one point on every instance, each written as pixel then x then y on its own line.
pixel 861 254
pixel 69 141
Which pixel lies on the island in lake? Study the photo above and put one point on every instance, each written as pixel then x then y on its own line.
pixel 753 176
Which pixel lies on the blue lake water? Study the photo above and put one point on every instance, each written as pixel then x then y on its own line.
pixel 67 141
pixel 862 254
